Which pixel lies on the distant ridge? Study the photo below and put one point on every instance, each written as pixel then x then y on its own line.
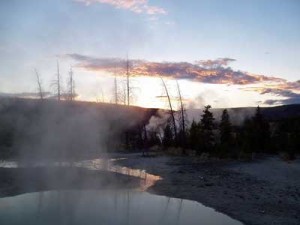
pixel 237 114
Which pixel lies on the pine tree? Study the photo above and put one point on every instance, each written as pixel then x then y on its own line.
pixel 256 133
pixel 225 134
pixel 168 136
pixel 194 136
pixel 260 131
pixel 206 130
pixel 225 129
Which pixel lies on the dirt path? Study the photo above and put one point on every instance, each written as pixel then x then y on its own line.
pixel 261 192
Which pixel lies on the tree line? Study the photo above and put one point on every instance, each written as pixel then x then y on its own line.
pixel 222 139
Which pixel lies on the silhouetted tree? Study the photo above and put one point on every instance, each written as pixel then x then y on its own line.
pixel 171 110
pixel 71 86
pixel 261 131
pixel 182 122
pixel 225 134
pixel 56 83
pixel 194 136
pixel 206 130
pixel 286 138
pixel 168 138
pixel 39 83
pixel 255 134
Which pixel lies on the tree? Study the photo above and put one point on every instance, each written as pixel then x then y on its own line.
pixel 56 83
pixel 127 81
pixel 225 133
pixel 39 83
pixel 261 131
pixel 171 110
pixel 255 133
pixel 225 128
pixel 286 138
pixel 182 122
pixel 168 136
pixel 206 130
pixel 194 136
pixel 71 86
pixel 116 90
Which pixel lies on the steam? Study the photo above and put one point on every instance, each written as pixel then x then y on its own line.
pixel 51 130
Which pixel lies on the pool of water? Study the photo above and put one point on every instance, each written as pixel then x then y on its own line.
pixel 109 207
pixel 147 179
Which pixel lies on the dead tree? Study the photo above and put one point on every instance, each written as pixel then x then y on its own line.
pixel 128 99
pixel 182 119
pixel 71 84
pixel 171 109
pixel 116 91
pixel 100 97
pixel 127 81
pixel 56 83
pixel 40 89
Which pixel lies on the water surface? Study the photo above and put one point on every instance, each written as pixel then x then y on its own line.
pixel 109 207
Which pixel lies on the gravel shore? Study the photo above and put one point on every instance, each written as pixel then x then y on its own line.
pixel 265 191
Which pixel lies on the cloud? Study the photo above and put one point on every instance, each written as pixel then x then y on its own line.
pixel 288 101
pixel 136 6
pixel 285 92
pixel 290 97
pixel 205 71
pixel 215 63
pixel 209 71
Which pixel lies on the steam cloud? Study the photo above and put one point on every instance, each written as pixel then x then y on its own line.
pixel 60 130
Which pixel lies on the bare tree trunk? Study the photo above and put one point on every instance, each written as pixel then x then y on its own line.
pixel 116 90
pixel 71 85
pixel 41 94
pixel 58 82
pixel 127 81
pixel 124 93
pixel 182 118
pixel 171 109
pixel 128 96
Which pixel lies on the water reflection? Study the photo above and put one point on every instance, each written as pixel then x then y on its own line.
pixel 106 207
pixel 147 179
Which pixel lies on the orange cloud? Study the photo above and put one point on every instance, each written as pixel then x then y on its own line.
pixel 213 72
pixel 204 71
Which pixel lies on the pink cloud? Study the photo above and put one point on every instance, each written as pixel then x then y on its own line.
pixel 136 6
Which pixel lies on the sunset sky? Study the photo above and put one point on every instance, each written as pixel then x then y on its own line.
pixel 225 53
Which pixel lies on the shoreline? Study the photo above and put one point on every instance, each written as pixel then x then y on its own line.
pixel 229 187
pixel 264 191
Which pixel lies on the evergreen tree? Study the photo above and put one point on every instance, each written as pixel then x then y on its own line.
pixel 194 136
pixel 225 132
pixel 206 130
pixel 168 136
pixel 256 134
pixel 261 132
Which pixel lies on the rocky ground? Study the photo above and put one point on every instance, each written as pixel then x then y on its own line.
pixel 265 191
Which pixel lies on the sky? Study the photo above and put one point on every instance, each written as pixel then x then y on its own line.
pixel 224 53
